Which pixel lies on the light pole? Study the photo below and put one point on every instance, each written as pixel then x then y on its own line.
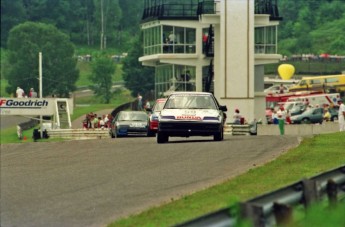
pixel 40 86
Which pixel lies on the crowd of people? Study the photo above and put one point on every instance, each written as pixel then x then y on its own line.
pixel 92 121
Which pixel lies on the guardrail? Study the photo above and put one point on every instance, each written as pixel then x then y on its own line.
pixel 275 208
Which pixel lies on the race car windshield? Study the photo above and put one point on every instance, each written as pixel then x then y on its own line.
pixel 190 102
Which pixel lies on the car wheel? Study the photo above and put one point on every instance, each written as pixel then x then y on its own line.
pixel 219 136
pixel 305 121
pixel 162 137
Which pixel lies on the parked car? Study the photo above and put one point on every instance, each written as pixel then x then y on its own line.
pixel 276 89
pixel 153 116
pixel 188 114
pixel 129 123
pixel 312 115
pixel 296 110
pixel 334 113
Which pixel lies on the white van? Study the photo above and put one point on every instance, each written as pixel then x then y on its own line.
pixel 320 99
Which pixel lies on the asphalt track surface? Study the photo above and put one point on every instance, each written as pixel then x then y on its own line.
pixel 94 182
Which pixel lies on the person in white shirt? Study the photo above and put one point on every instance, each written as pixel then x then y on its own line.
pixel 147 104
pixel 341 115
pixel 20 92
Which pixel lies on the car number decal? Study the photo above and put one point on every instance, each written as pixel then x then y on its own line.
pixel 137 125
pixel 185 117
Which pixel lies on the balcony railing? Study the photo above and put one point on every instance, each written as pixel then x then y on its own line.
pixel 267 7
pixel 171 11
pixel 261 7
pixel 190 10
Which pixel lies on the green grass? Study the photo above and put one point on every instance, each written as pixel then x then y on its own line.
pixel 9 135
pixel 313 156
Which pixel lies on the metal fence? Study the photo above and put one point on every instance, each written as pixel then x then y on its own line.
pixel 276 208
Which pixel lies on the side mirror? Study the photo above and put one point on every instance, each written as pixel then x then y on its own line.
pixel 223 108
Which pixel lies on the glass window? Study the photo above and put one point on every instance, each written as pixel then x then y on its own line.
pixel 169 39
pixel 266 40
pixel 170 78
pixel 315 81
pixel 302 82
pixel 331 80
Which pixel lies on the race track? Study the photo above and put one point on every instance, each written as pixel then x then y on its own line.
pixel 91 183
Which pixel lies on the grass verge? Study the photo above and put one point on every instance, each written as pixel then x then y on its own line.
pixel 314 155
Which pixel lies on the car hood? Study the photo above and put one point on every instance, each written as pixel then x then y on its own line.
pixel 190 114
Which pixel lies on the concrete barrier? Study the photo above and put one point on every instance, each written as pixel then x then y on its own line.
pixel 237 129
pixel 299 129
pixel 79 133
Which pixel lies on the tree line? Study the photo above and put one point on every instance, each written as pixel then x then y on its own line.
pixel 107 23
pixel 55 27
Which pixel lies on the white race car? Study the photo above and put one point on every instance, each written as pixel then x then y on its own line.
pixel 191 114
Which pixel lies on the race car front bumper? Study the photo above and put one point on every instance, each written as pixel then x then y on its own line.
pixel 185 129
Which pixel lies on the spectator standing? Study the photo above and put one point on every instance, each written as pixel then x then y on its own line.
pixel 281 119
pixel 281 89
pixel 140 102
pixel 204 41
pixel 326 114
pixel 106 120
pixel 20 93
pixel 341 115
pixel 147 104
pixel 95 121
pixel 172 38
pixel 85 122
pixel 237 117
pixel 274 117
pixel 32 93
pixel 288 117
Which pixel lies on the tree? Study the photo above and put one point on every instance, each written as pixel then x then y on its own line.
pixel 138 79
pixel 102 70
pixel 9 8
pixel 25 41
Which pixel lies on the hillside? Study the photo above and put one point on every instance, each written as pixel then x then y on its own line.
pixel 312 27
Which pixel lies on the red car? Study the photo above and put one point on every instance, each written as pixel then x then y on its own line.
pixel 153 119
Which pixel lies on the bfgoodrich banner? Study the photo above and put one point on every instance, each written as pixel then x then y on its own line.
pixel 32 106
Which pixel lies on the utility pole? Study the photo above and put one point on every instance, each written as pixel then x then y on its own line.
pixel 102 26
pixel 40 86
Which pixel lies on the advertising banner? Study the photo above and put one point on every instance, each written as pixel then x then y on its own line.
pixel 32 106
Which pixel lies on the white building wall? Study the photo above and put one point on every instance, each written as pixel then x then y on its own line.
pixel 234 57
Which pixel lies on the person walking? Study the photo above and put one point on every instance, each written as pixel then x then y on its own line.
pixel 281 120
pixel 341 115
